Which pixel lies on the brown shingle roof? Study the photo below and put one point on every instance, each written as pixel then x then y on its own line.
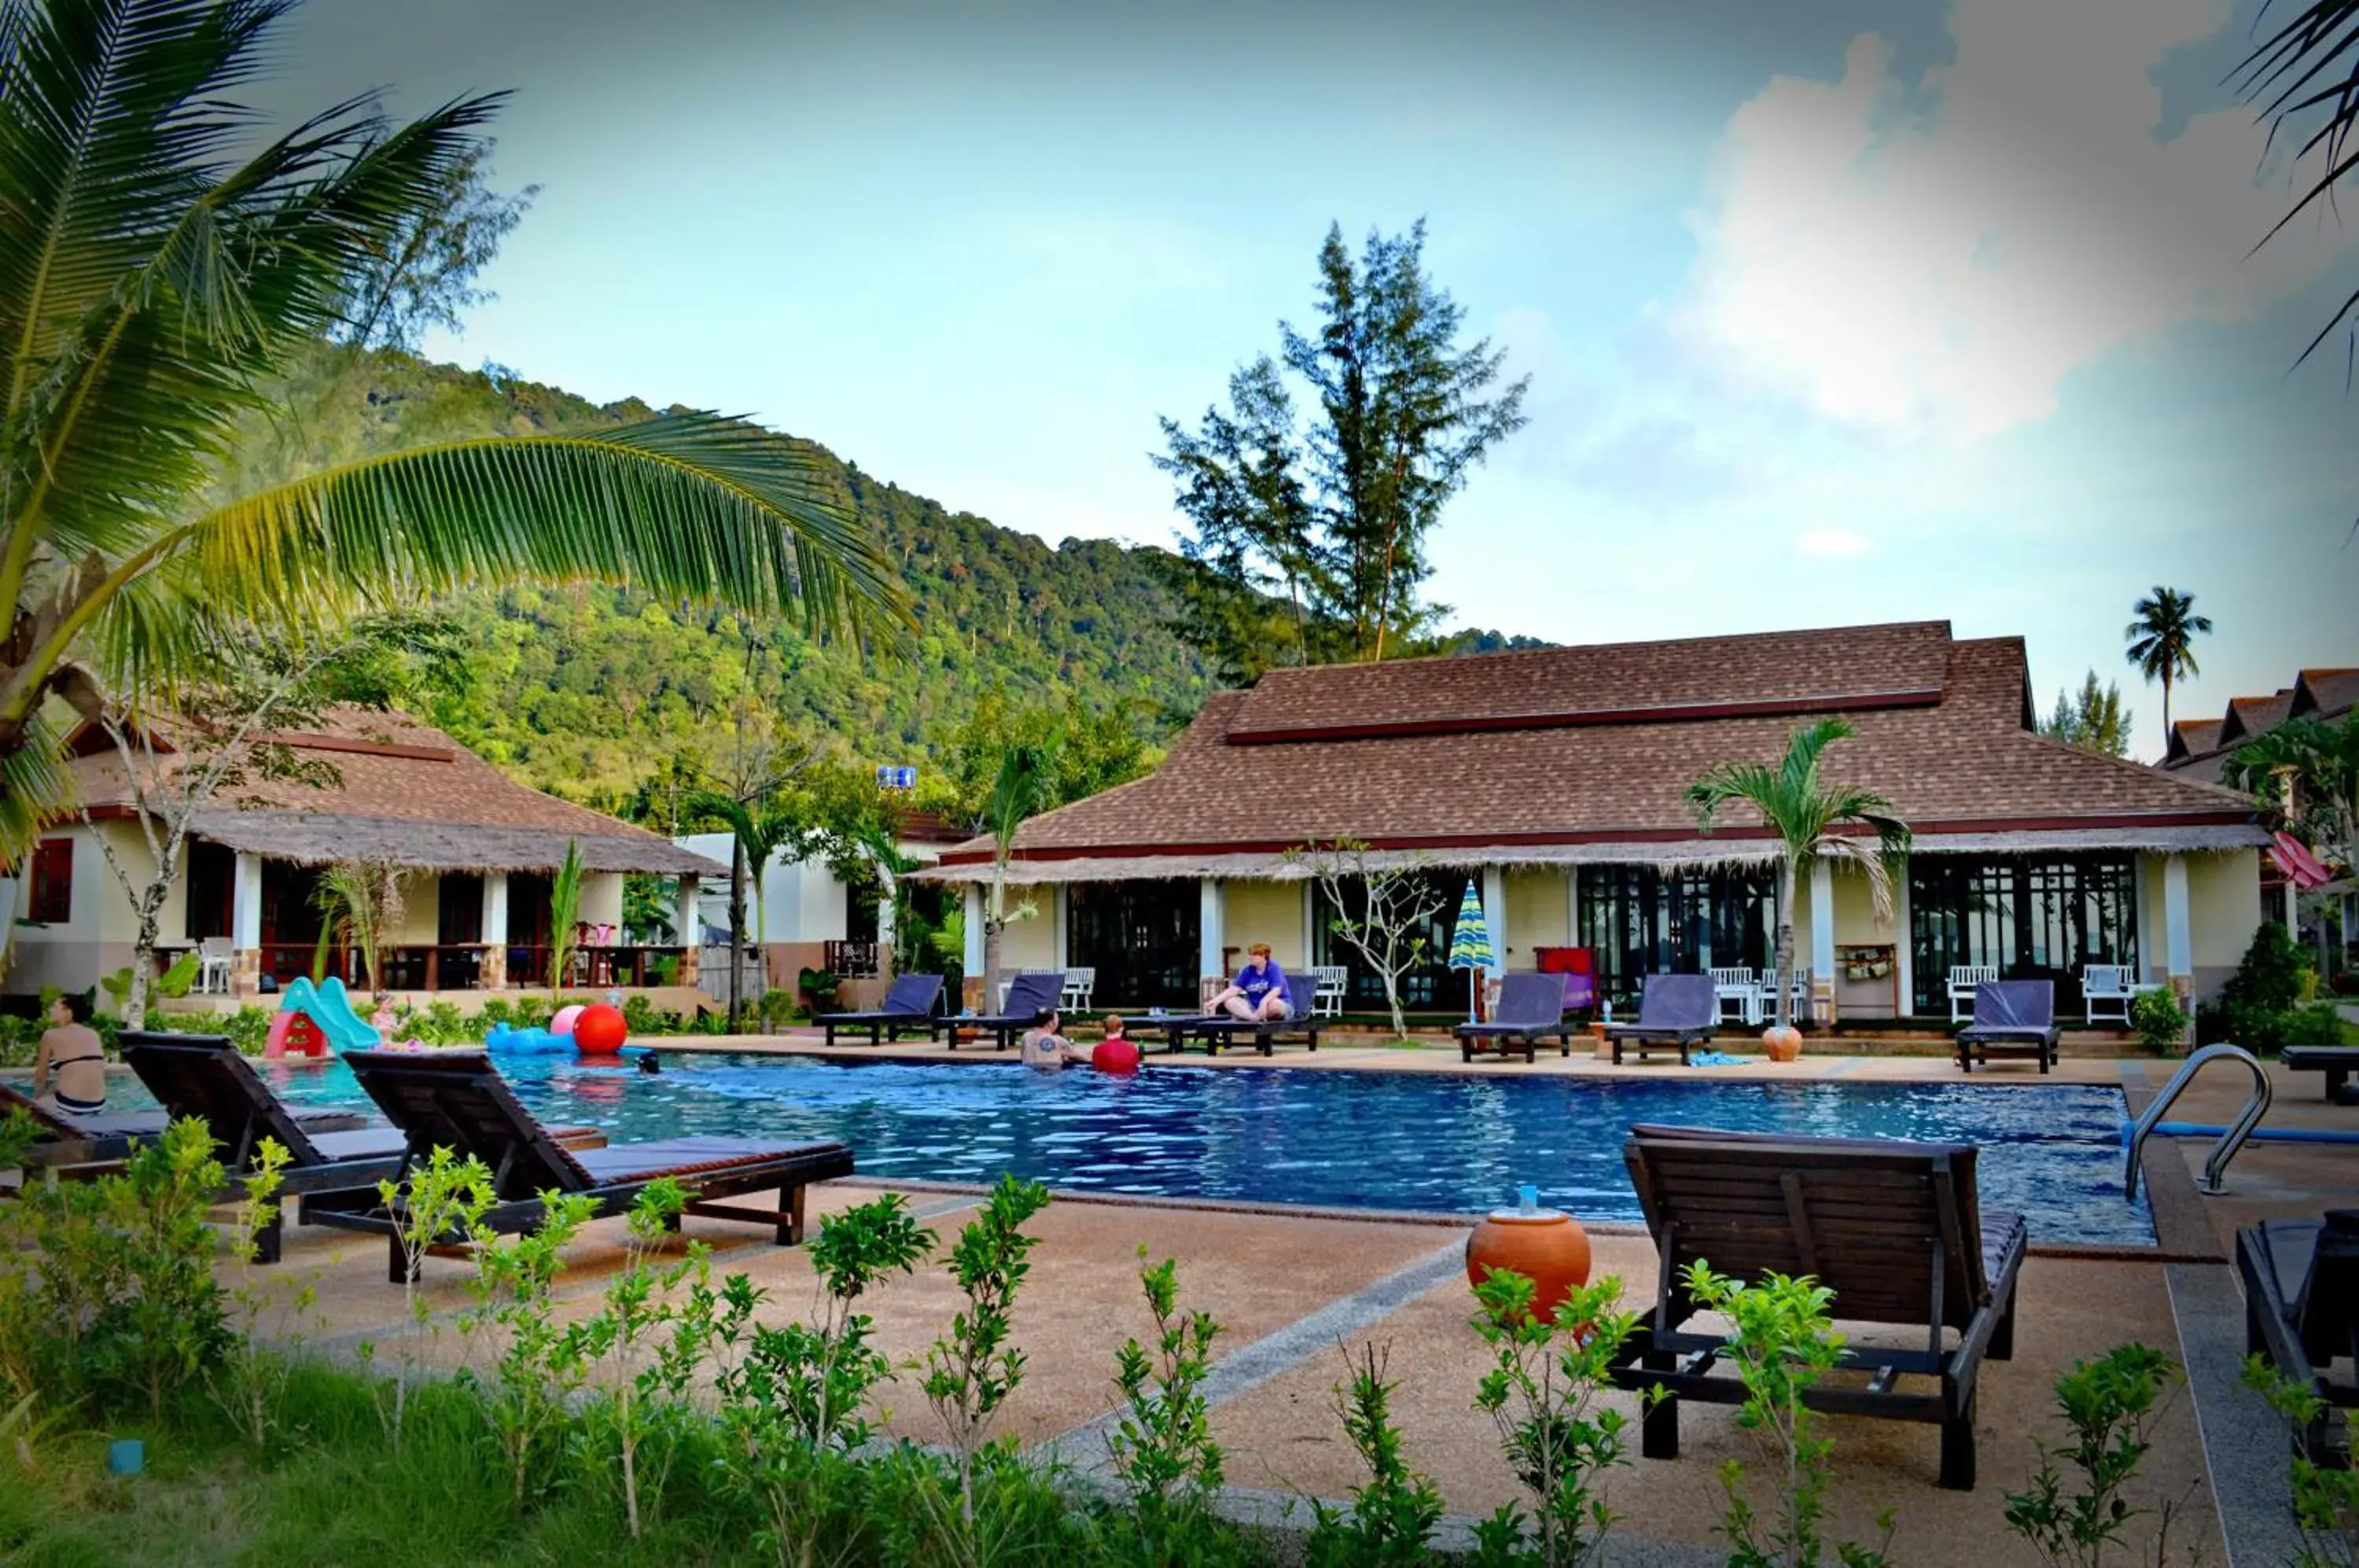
pixel 2325 693
pixel 1770 673
pixel 1967 761
pixel 2191 738
pixel 409 794
pixel 2250 717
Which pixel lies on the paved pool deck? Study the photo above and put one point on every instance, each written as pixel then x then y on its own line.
pixel 1294 1290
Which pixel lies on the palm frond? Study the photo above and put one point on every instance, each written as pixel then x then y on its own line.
pixel 688 507
pixel 1872 862
pixel 1732 783
pixel 1021 785
pixel 36 789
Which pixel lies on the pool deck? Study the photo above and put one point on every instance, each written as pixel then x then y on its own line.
pixel 1293 1289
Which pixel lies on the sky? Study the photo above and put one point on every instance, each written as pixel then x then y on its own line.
pixel 1834 311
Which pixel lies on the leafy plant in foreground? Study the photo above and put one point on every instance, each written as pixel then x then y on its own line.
pixel 441 1201
pixel 2107 1403
pixel 526 1398
pixel 970 1372
pixel 1163 1451
pixel 1392 1515
pixel 637 1308
pixel 1542 1393
pixel 2325 1495
pixel 1783 1342
pixel 252 1377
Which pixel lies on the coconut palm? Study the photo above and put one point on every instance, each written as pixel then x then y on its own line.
pixel 163 259
pixel 1809 817
pixel 1026 773
pixel 755 836
pixel 2304 79
pixel 2309 772
pixel 2162 639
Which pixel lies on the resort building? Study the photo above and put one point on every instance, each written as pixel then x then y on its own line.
pixel 480 851
pixel 1554 780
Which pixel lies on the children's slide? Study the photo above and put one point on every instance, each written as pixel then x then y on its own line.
pixel 326 1009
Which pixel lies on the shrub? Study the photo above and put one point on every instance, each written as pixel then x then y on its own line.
pixel 2269 1030
pixel 2269 977
pixel 1163 1452
pixel 2325 1493
pixel 2161 1021
pixel 2108 1404
pixel 1392 1515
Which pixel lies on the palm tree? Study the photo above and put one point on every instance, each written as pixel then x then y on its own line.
pixel 2162 639
pixel 2308 772
pixel 756 837
pixel 1809 818
pixel 2304 79
pixel 159 271
pixel 1025 773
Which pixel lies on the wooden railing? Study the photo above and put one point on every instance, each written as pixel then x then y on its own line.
pixel 459 966
pixel 852 960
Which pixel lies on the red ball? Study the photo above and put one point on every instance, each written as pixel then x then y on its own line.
pixel 1115 1056
pixel 599 1030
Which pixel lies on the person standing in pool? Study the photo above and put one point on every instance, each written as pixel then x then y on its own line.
pixel 70 1048
pixel 1044 1047
pixel 1259 992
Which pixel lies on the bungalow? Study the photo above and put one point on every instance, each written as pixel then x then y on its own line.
pixel 1555 777
pixel 481 850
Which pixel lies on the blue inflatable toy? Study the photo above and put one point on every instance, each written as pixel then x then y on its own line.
pixel 535 1041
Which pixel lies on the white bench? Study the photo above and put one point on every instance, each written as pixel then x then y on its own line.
pixel 2113 987
pixel 1963 978
pixel 1740 987
pixel 1330 983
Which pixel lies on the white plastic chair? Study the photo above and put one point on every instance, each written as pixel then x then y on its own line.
pixel 1330 982
pixel 1081 984
pixel 1963 978
pixel 1737 985
pixel 215 956
pixel 2111 987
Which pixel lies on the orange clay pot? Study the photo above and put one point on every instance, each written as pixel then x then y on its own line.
pixel 1547 1247
pixel 1782 1044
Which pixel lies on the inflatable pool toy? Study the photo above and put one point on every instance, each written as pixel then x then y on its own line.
pixel 564 1020
pixel 1118 1056
pixel 599 1030
pixel 506 1037
pixel 314 1019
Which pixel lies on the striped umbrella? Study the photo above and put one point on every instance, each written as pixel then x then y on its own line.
pixel 1470 944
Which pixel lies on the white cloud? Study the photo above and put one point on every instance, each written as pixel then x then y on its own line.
pixel 1941 270
pixel 1830 541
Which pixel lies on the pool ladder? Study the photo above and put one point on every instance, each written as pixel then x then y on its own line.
pixel 2215 1165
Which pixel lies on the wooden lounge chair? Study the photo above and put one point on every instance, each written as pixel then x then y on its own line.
pixel 1531 1008
pixel 1031 997
pixel 2012 1018
pixel 99 1141
pixel 2338 1062
pixel 457 1100
pixel 1676 1010
pixel 2301 1305
pixel 1213 1030
pixel 908 1005
pixel 1894 1229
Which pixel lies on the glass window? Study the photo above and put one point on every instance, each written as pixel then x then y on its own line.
pixel 1641 920
pixel 2031 917
pixel 1427 985
pixel 1141 938
pixel 50 899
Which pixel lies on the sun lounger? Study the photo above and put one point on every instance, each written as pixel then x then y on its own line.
pixel 908 1005
pixel 1213 1030
pixel 95 1142
pixel 1894 1229
pixel 2301 1304
pixel 1031 997
pixel 1531 1008
pixel 1676 1010
pixel 2012 1018
pixel 457 1100
pixel 2338 1062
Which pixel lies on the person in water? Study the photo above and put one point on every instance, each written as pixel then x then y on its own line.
pixel 1044 1047
pixel 70 1048
pixel 1259 992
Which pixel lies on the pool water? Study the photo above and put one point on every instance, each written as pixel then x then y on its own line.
pixel 1436 1142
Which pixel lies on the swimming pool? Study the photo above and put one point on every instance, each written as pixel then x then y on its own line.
pixel 1440 1142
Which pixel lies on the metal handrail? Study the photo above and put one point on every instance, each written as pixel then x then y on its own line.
pixel 2215 1164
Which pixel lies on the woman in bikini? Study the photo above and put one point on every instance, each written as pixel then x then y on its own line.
pixel 70 1048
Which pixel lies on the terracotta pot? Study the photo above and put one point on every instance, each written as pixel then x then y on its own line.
pixel 1784 1044
pixel 1547 1247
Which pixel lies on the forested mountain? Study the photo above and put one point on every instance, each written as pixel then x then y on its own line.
pixel 606 696
pixel 593 692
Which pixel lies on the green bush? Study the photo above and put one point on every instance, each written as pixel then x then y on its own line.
pixel 2270 977
pixel 2161 1021
pixel 2265 1006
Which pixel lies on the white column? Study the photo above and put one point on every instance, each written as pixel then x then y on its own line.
pixel 972 961
pixel 1310 933
pixel 1901 946
pixel 886 932
pixel 1494 910
pixel 1822 921
pixel 2179 942
pixel 245 903
pixel 1572 906
pixel 1060 958
pixel 1211 936
pixel 495 912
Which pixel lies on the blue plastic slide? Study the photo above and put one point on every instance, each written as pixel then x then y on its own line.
pixel 330 1011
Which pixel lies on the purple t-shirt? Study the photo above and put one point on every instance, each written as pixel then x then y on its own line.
pixel 1257 984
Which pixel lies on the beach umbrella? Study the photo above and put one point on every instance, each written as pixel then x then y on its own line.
pixel 1470 944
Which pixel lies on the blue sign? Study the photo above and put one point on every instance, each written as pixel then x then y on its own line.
pixel 890 777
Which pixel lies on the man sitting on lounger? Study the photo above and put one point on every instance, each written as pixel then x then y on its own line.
pixel 1259 992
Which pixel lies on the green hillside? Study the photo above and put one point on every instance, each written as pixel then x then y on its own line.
pixel 592 693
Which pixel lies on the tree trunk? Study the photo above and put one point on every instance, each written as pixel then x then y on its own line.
pixel 995 922
pixel 736 934
pixel 1785 880
pixel 2166 705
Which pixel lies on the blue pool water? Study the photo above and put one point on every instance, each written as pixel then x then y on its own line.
pixel 1440 1142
